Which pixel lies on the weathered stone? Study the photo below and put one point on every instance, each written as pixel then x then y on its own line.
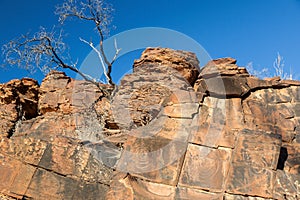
pixel 48 126
pixel 292 164
pixel 248 180
pixel 23 93
pixel 162 136
pixel 238 197
pixel 295 93
pixel 15 176
pixel 95 191
pixel 8 117
pixel 139 105
pixel 205 168
pixel 83 126
pixel 223 86
pixel 181 110
pixel 100 163
pixel 103 109
pixel 217 122
pixel 209 124
pixel 272 96
pixel 296 107
pixel 64 158
pixel 222 67
pixel 155 152
pixel 257 83
pixel 219 61
pixel 186 63
pixel 130 188
pixel 249 149
pixel 48 185
pixel 120 187
pixel 26 149
pixel 277 118
pixel 59 93
pixel 5 197
pixel 287 185
pixel 155 158
pixel 189 193
pixel 142 96
pixel 18 100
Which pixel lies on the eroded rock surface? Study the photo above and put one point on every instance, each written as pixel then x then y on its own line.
pixel 170 132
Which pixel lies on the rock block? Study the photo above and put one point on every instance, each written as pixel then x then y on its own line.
pixel 130 188
pixel 205 168
pixel 100 164
pixel 155 158
pixel 64 158
pixel 223 86
pixel 248 180
pixel 287 186
pixel 185 63
pixel 190 193
pixel 257 148
pixel 93 191
pixel 8 118
pixel 49 185
pixel 217 122
pixel 15 176
pixel 292 163
pixel 47 127
pixel 23 93
pixel 222 67
pixel 120 187
pixel 60 93
pixel 26 149
pixel 239 197
pixel 186 110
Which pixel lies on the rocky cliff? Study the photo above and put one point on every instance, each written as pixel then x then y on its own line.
pixel 171 131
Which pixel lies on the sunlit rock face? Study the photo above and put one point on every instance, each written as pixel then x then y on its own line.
pixel 172 130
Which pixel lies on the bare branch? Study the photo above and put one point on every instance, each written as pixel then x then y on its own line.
pixel 99 56
pixel 31 52
pixel 278 65
pixel 92 10
pixel 99 13
pixel 117 52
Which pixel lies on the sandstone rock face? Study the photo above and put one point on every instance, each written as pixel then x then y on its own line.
pixel 18 100
pixel 169 132
pixel 185 63
pixel 43 157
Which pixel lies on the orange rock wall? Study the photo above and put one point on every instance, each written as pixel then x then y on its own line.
pixel 171 131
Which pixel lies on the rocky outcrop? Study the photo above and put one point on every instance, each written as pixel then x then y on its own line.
pixel 18 100
pixel 169 132
pixel 185 63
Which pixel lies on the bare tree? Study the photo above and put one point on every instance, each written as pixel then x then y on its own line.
pixel 278 65
pixel 97 12
pixel 46 50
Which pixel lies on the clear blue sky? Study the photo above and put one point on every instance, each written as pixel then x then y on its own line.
pixel 248 30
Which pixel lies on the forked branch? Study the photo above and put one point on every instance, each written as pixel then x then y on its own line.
pixel 99 13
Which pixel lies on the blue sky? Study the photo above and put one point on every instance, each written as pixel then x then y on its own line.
pixel 248 30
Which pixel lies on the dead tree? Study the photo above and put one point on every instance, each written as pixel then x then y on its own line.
pixel 46 50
